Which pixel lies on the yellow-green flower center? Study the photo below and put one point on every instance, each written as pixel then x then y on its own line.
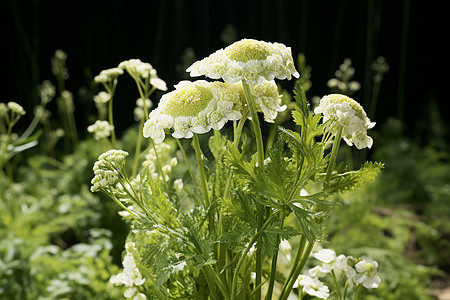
pixel 248 49
pixel 188 101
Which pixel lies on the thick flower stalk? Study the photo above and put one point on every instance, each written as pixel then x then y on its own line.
pixel 194 107
pixel 108 78
pixel 344 112
pixel 248 60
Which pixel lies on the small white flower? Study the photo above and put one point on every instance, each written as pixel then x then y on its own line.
pixel 178 184
pixel 130 277
pixel 346 112
pixel 312 286
pixel 319 271
pixel 102 97
pixel 327 256
pixel 367 273
pixel 285 252
pixel 101 129
pixel 250 60
pixel 159 84
pixel 342 265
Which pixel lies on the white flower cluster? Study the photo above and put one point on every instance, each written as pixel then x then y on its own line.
pixel 138 69
pixel 269 100
pixel 102 97
pixel 194 107
pixel 343 83
pixel 46 91
pixel 107 168
pixel 357 271
pixel 59 64
pixel 10 114
pixel 131 278
pixel 108 75
pixel 100 129
pixel 15 108
pixel 346 112
pixel 248 60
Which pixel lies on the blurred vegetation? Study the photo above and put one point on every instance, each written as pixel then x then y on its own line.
pixel 57 240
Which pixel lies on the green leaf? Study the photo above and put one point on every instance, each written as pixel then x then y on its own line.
pixel 352 180
pixel 311 229
pixel 234 159
pixel 272 235
pixel 217 145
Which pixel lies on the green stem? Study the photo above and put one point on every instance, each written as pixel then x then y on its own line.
pixel 159 167
pixel 222 287
pixel 111 120
pixel 345 290
pixel 297 270
pixel 244 255
pixel 274 263
pixel 260 153
pixel 255 122
pixel 138 149
pixel 238 131
pixel 32 126
pixel 211 285
pixel 334 152
pixel 201 170
pixel 336 285
pixel 186 161
pixel 358 291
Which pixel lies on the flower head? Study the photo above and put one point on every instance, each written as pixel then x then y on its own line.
pixel 102 97
pixel 312 286
pixel 15 108
pixel 46 91
pixel 108 75
pixel 346 112
pixel 107 169
pixel 137 67
pixel 101 129
pixel 367 273
pixel 269 100
pixel 194 107
pixel 249 60
pixel 158 83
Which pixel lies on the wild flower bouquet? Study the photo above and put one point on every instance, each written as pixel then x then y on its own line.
pixel 225 228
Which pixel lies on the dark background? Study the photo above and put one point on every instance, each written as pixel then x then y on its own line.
pixel 96 35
